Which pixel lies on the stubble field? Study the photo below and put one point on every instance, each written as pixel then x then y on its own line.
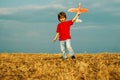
pixel 100 66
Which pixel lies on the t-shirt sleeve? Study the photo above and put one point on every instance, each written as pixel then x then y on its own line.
pixel 57 30
pixel 70 22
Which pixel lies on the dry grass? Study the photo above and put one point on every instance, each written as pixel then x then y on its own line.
pixel 102 66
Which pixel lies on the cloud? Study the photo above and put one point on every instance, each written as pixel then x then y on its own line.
pixel 12 10
pixel 44 12
pixel 105 6
pixel 6 11
pixel 118 1
pixel 31 13
pixel 86 27
pixel 17 30
pixel 95 26
pixel 59 4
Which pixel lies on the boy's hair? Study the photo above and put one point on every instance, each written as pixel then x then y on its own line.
pixel 61 14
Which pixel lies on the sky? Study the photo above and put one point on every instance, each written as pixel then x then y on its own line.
pixel 30 25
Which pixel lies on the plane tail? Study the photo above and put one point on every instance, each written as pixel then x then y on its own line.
pixel 78 20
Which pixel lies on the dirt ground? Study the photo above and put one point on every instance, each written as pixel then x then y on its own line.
pixel 45 66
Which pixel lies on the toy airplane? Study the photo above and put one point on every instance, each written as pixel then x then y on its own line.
pixel 79 9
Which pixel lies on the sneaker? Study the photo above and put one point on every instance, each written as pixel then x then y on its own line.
pixel 63 57
pixel 73 57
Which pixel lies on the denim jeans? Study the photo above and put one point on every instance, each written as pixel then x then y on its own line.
pixel 66 45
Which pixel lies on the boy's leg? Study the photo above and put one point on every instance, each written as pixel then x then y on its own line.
pixel 63 47
pixel 71 52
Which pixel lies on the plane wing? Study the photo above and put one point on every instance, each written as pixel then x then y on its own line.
pixel 78 10
pixel 73 10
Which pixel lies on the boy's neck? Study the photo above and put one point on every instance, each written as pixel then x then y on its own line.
pixel 62 21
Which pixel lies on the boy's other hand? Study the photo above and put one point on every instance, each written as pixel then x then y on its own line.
pixel 54 40
pixel 78 13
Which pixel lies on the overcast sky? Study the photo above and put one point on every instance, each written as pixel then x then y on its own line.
pixel 30 25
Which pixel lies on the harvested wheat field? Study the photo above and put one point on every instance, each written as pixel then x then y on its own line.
pixel 100 66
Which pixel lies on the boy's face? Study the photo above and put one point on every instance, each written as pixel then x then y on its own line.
pixel 62 18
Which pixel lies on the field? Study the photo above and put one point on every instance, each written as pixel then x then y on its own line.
pixel 21 66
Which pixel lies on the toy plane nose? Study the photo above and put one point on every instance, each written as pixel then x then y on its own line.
pixel 79 5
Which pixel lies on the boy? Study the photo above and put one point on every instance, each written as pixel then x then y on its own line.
pixel 63 33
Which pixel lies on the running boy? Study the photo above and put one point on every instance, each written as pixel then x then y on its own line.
pixel 63 33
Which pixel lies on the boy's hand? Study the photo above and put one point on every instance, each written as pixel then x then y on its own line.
pixel 76 16
pixel 56 37
pixel 54 40
pixel 78 13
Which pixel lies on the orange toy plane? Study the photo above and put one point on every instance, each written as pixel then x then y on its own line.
pixel 79 9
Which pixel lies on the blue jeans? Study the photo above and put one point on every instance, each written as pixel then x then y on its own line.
pixel 66 45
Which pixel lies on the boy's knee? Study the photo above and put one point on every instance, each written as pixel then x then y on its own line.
pixel 69 48
pixel 63 50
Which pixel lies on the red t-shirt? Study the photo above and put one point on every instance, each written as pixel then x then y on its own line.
pixel 63 29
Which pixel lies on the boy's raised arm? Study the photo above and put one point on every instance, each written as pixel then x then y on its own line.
pixel 76 16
